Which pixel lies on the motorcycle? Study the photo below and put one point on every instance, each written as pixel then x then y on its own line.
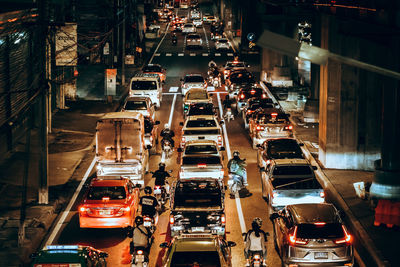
pixel 160 193
pixel 256 260
pixel 229 115
pixel 167 148
pixel 149 222
pixel 235 183
pixel 139 257
pixel 215 81
pixel 174 41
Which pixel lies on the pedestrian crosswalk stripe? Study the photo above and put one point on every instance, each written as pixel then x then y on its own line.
pixel 157 54
pixel 192 54
pixel 205 54
pixel 217 54
pixel 173 89
pixel 168 54
pixel 230 54
pixel 181 54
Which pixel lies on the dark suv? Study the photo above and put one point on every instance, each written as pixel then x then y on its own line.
pixel 280 148
pixel 312 235
pixel 197 206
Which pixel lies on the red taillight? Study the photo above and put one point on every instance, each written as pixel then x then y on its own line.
pixel 242 96
pixel 347 237
pixel 252 92
pixel 259 128
pixel 219 140
pixel 139 252
pixel 157 187
pixel 105 199
pixel 320 223
pixel 223 219
pixel 171 219
pixel 290 127
pixel 294 241
pixel 82 209
pixel 322 194
pixel 274 114
pixel 201 165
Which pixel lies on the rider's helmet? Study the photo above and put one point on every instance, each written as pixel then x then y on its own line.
pixel 161 166
pixel 236 153
pixel 148 190
pixel 138 220
pixel 166 127
pixel 258 221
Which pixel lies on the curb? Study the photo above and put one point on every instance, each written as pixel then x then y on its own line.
pixel 355 224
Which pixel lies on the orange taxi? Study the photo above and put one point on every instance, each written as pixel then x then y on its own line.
pixel 155 69
pixel 109 203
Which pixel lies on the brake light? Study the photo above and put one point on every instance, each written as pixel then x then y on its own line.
pixel 223 219
pixel 219 140
pixel 171 219
pixel 259 128
pixel 157 187
pixel 347 237
pixel 322 194
pixel 139 252
pixel 274 114
pixel 293 240
pixel 201 165
pixel 242 96
pixel 257 257
pixel 105 199
pixel 290 127
pixel 252 92
pixel 320 223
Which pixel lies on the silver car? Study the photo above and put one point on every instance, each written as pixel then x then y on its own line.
pixel 312 235
pixel 193 40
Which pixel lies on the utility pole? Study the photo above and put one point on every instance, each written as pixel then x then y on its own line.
pixel 43 142
pixel 123 42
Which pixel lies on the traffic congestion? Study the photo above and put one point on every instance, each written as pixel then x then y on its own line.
pixel 200 167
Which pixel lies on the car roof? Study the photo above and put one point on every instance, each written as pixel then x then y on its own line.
pixel 311 213
pixel 195 244
pixel 291 162
pixel 123 115
pixel 138 98
pixel 200 117
pixel 197 90
pixel 200 142
pixel 62 253
pixel 109 182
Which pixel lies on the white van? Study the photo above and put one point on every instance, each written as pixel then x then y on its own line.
pixel 146 84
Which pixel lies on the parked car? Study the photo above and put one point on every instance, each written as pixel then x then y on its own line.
pixel 202 158
pixel 222 44
pixel 206 250
pixel 141 105
pixel 193 40
pixel 204 127
pixel 197 206
pixel 155 69
pixel 192 81
pixel 109 203
pixel 189 28
pixel 268 124
pixel 290 181
pixel 312 235
pixel 195 96
pixel 280 148
pixel 69 255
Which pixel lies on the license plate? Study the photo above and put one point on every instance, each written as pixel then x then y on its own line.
pixel 147 224
pixel 320 255
pixel 197 229
pixel 139 258
pixel 157 191
pixel 105 212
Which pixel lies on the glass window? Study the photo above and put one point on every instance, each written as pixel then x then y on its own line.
pixel 201 132
pixel 144 85
pixel 194 79
pixel 326 231
pixel 197 194
pixel 293 170
pixel 153 68
pixel 136 105
pixel 113 192
pixel 201 160
pixel 201 149
pixel 195 258
pixel 201 123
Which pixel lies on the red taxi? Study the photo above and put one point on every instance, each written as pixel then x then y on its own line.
pixel 109 203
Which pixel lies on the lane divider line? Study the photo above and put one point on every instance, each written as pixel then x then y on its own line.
pixel 60 222
pixel 171 114
pixel 205 34
pixel 229 155
pixel 158 46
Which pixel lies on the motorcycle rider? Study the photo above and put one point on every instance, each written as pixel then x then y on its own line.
pixel 255 241
pixel 142 237
pixel 167 134
pixel 174 38
pixel 227 103
pixel 212 64
pixel 161 176
pixel 238 166
pixel 148 204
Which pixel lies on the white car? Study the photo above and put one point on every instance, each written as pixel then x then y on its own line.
pixel 222 43
pixel 197 22
pixel 193 40
pixel 189 28
pixel 195 14
pixel 192 81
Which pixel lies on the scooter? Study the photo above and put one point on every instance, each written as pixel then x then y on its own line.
pixel 139 257
pixel 235 183
pixel 256 260
pixel 229 115
pixel 167 148
pixel 160 193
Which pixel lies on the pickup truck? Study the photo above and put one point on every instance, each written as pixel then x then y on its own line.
pixel 201 158
pixel 197 207
pixel 290 181
pixel 202 127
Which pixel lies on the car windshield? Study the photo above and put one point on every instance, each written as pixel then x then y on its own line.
pixel 284 149
pixel 201 123
pixel 188 25
pixel 202 94
pixel 295 183
pixel 293 170
pixel 223 41
pixel 260 105
pixel 144 85
pixel 201 160
pixel 325 231
pixel 263 118
pixel 197 194
pixel 200 149
pixel 194 79
pixel 201 110
pixel 152 69
pixel 193 37
pixel 195 258
pixel 201 132
pixel 136 105
pixel 112 192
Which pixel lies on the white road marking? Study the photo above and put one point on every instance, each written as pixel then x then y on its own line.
pixel 192 54
pixel 60 222
pixel 230 54
pixel 205 34
pixel 168 54
pixel 171 114
pixel 173 89
pixel 228 152
pixel 217 54
pixel 157 54
pixel 181 54
pixel 158 46
pixel 205 54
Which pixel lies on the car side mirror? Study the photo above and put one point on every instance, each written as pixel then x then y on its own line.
pixel 103 254
pixel 222 148
pixel 274 216
pixel 157 122
pixel 314 168
pixel 179 149
pixel 231 244
pixel 164 245
pixel 181 123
